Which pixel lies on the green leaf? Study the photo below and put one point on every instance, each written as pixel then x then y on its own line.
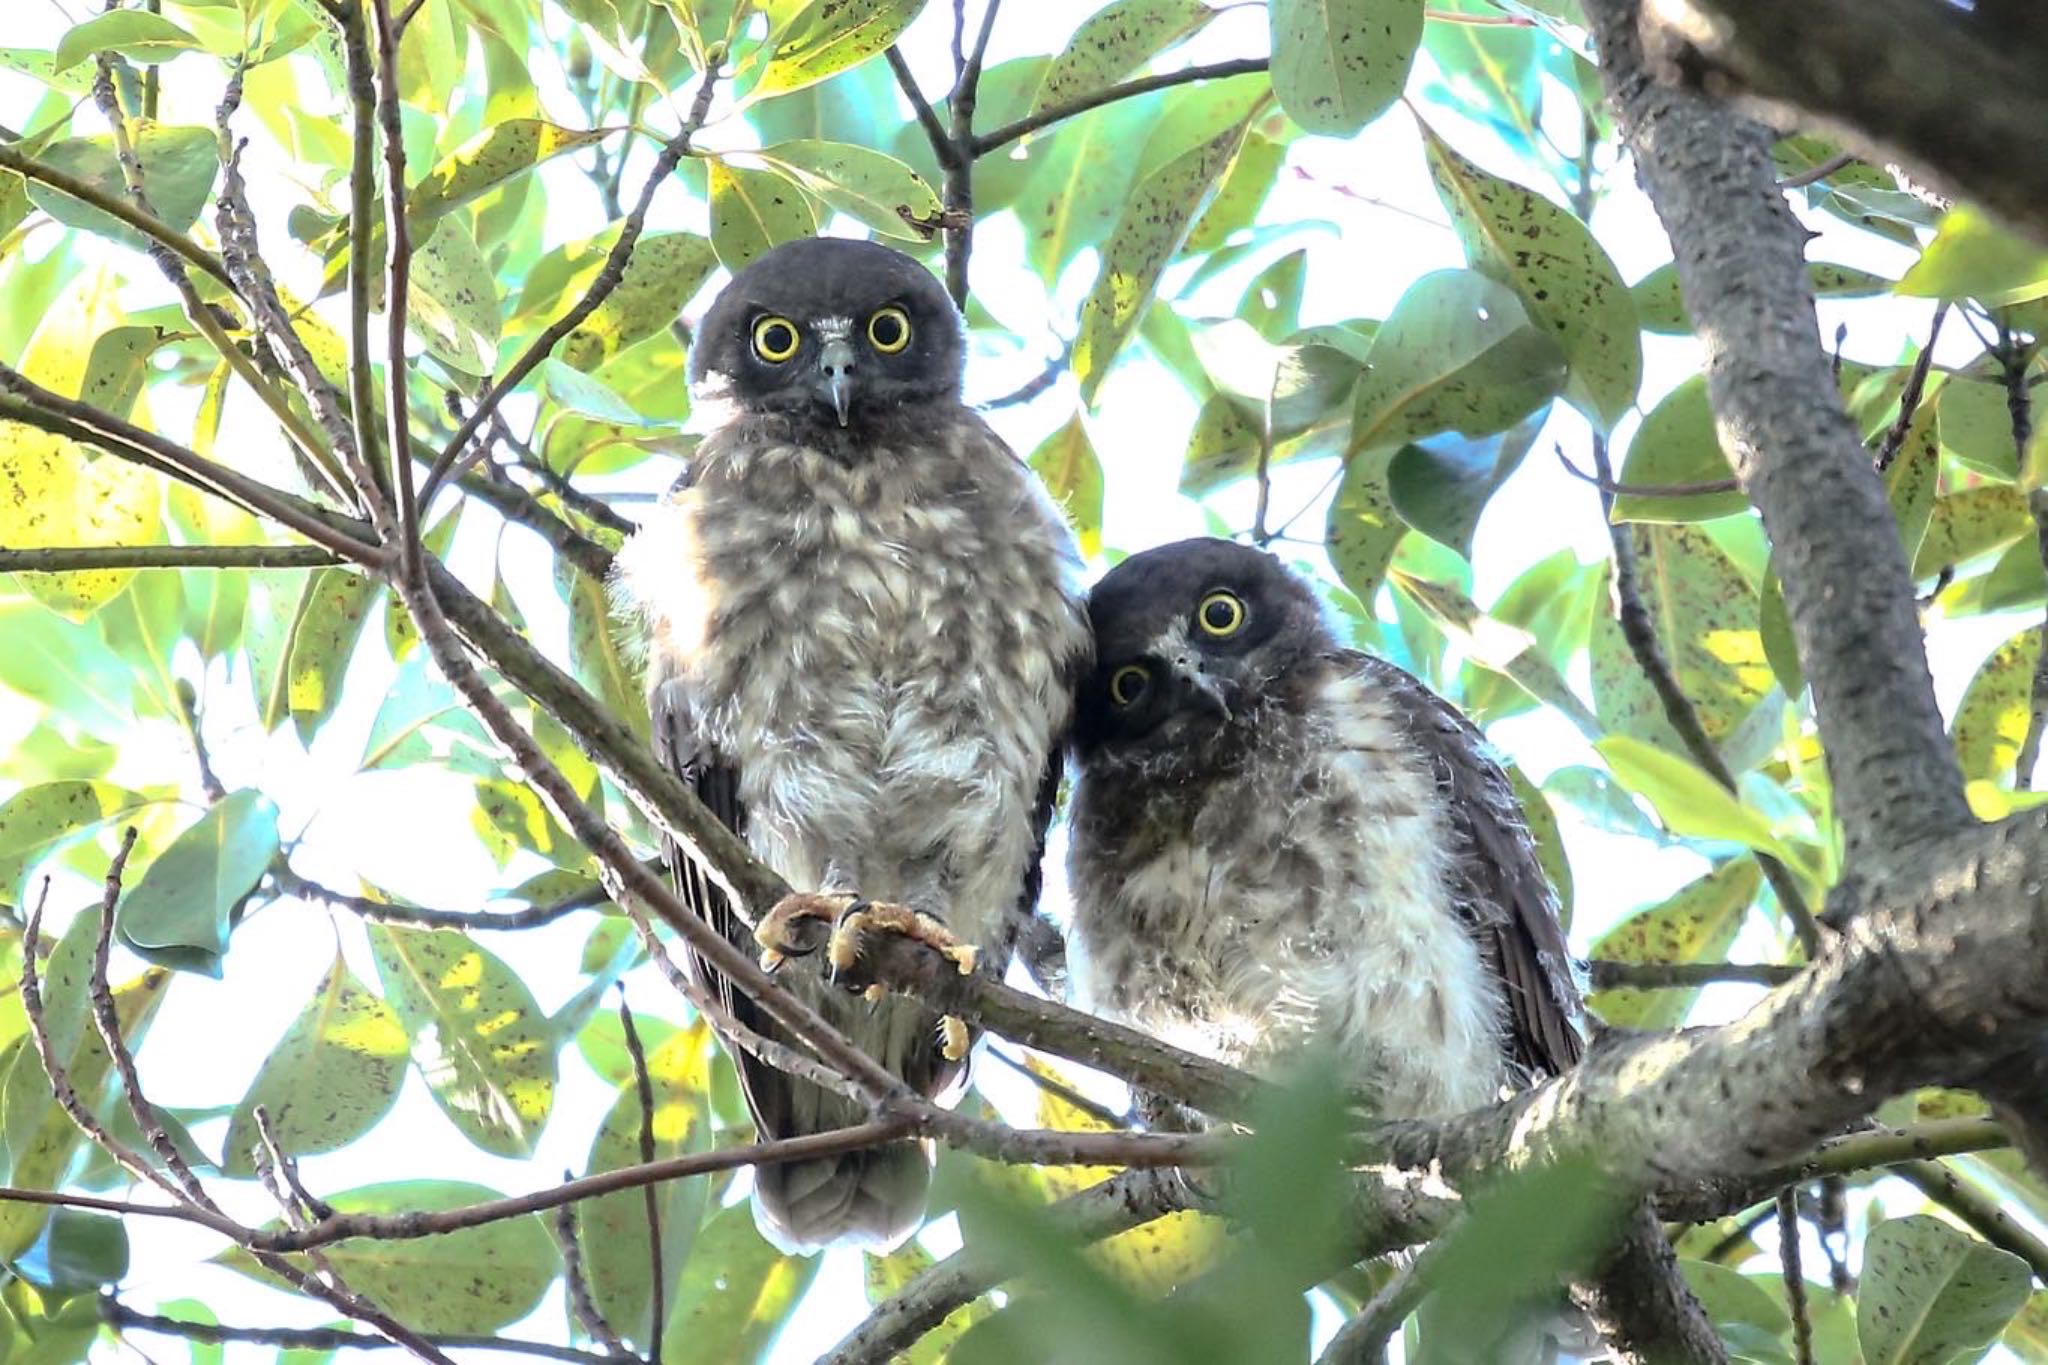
pixel 827 36
pixel 1441 484
pixel 78 1252
pixel 1458 353
pixel 330 619
pixel 1969 523
pixel 1563 275
pixel 602 660
pixel 499 154
pixel 1337 64
pixel 1154 221
pixel 734 1293
pixel 141 37
pixel 1113 42
pixel 878 189
pixel 453 299
pixel 179 913
pixel 1690 802
pixel 1065 461
pixel 41 1138
pixel 613 1227
pixel 667 268
pixel 1706 618
pixel 66 668
pixel 1499 647
pixel 1781 648
pixel 1991 722
pixel 1910 479
pixel 1976 425
pixel 178 167
pixel 57 493
pixel 1695 925
pixel 327 1081
pixel 752 211
pixel 1363 528
pixel 1661 308
pixel 1079 181
pixel 1972 257
pixel 1553 601
pixel 475 1280
pixel 37 821
pixel 479 1041
pixel 1930 1293
pixel 1677 443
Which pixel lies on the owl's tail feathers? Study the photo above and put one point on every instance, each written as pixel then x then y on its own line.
pixel 873 1198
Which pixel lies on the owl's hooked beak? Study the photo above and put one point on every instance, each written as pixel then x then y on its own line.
pixel 833 382
pixel 1200 688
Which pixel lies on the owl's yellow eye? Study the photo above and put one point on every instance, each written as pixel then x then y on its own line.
pixel 1221 614
pixel 775 339
pixel 889 329
pixel 1128 683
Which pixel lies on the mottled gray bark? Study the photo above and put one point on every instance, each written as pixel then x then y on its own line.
pixel 1954 93
pixel 1847 585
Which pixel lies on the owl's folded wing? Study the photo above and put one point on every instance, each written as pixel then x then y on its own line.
pixel 1502 894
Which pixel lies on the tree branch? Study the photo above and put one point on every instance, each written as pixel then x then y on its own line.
pixel 1742 271
pixel 73 558
pixel 1143 85
pixel 1641 634
pixel 1605 974
pixel 454 456
pixel 1954 92
pixel 121 1317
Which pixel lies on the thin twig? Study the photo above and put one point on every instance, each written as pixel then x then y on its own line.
pixel 1640 631
pixel 148 224
pixel 1794 1275
pixel 123 1318
pixel 1606 974
pixel 1045 118
pixel 74 558
pixel 581 1302
pixel 362 381
pixel 643 1084
pixel 1065 1094
pixel 1982 1213
pixel 1700 488
pixel 1037 384
pixel 1363 1340
pixel 927 117
pixel 290 883
pixel 454 455
pixel 1821 172
pixel 1909 397
pixel 397 285
pixel 107 1020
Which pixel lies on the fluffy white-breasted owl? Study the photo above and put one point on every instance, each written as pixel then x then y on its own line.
pixel 864 633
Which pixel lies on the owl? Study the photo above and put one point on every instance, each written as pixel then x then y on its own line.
pixel 863 633
pixel 1277 841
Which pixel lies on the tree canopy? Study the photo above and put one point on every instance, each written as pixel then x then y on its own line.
pixel 343 341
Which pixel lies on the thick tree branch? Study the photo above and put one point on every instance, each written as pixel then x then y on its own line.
pixel 1953 91
pixel 1847 587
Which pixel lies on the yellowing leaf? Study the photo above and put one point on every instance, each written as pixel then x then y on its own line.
pixel 1695 925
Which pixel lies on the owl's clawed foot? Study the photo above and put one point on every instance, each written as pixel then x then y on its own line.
pixel 790 930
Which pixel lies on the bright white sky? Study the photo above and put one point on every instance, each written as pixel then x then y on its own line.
pixel 409 833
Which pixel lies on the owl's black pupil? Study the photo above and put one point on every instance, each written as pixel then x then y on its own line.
pixel 888 330
pixel 1219 615
pixel 777 338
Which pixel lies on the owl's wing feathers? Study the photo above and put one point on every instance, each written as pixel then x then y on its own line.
pixel 717 784
pixel 1503 895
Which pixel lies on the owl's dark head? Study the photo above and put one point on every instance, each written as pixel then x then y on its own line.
pixel 1188 637
pixel 831 332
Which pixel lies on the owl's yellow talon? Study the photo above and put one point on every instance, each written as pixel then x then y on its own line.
pixel 771 959
pixel 874 994
pixel 953 1038
pixel 781 929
